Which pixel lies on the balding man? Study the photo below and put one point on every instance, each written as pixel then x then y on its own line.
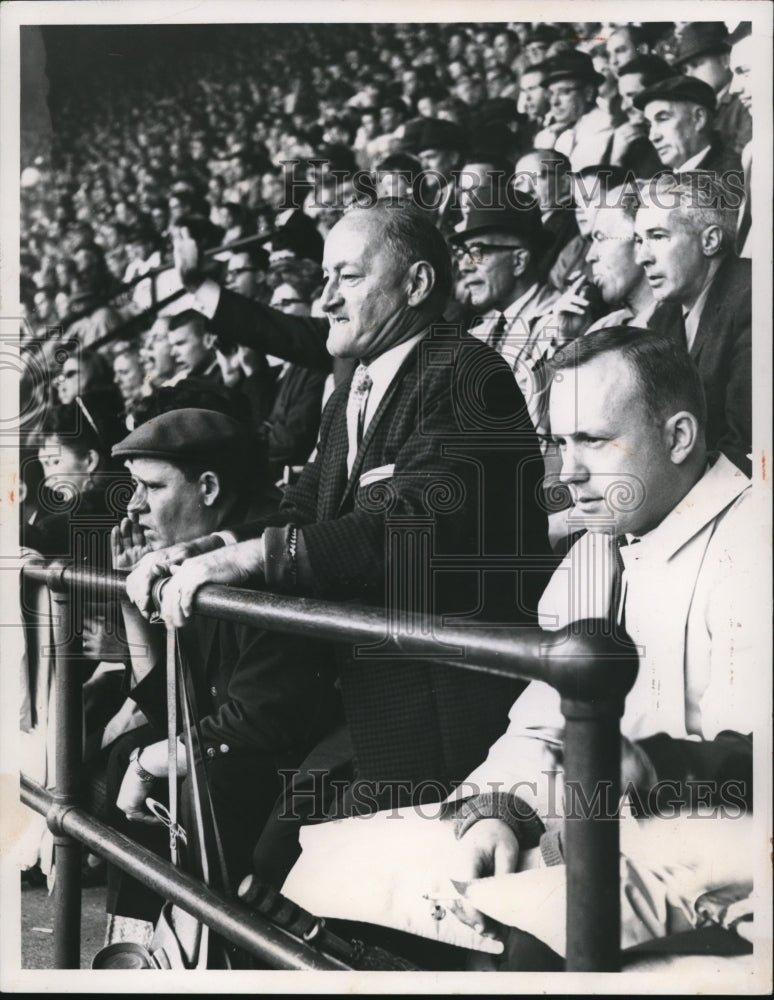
pixel 403 448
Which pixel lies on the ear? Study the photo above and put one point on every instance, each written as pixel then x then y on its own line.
pixel 701 117
pixel 681 432
pixel 92 460
pixel 420 281
pixel 521 260
pixel 711 241
pixel 209 487
pixel 209 340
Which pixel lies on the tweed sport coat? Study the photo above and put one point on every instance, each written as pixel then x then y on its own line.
pixel 440 513
pixel 722 352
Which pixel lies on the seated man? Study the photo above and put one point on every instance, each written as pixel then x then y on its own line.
pixel 263 698
pixel 383 471
pixel 629 415
pixel 685 237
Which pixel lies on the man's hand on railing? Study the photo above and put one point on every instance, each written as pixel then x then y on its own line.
pixel 236 565
pixel 154 565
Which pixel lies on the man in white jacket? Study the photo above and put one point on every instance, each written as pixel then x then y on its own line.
pixel 628 413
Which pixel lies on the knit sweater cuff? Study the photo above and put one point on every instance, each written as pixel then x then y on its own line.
pixel 512 810
pixel 552 848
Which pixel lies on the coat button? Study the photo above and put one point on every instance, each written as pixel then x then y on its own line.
pixel 211 751
pixel 214 691
pixel 224 748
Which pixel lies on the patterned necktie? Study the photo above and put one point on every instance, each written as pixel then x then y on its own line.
pixel 358 394
pixel 497 334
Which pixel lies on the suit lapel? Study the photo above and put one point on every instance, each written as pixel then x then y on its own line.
pixel 712 307
pixel 333 476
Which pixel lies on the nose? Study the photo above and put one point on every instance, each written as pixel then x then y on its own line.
pixel 573 469
pixel 642 253
pixel 138 500
pixel 592 256
pixel 331 296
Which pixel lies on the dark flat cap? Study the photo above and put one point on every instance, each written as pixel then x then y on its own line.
pixel 438 133
pixel 701 38
pixel 569 65
pixel 187 435
pixel 678 88
pixel 544 34
pixel 511 212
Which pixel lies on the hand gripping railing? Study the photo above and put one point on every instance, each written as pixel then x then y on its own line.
pixel 592 672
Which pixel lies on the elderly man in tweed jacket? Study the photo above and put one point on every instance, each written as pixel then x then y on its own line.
pixel 422 496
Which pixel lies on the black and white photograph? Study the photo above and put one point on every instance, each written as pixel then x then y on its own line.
pixel 385 525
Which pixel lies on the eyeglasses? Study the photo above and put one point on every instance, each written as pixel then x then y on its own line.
pixel 477 251
pixel 63 376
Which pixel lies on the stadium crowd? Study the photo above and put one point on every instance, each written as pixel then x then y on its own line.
pixel 286 285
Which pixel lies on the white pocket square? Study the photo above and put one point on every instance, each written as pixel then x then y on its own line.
pixel 375 475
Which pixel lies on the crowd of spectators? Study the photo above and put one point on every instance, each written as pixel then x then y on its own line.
pixel 582 176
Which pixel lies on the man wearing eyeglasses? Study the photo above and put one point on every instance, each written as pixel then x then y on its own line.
pixel 576 125
pixel 498 253
pixel 246 272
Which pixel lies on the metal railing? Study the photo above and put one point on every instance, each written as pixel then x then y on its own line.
pixel 591 671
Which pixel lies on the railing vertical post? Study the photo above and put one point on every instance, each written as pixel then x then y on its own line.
pixel 69 754
pixel 592 792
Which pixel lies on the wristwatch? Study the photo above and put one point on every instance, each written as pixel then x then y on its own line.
pixel 145 776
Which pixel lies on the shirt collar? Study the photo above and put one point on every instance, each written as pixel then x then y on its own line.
pixel 513 310
pixel 694 161
pixel 384 368
pixel 717 489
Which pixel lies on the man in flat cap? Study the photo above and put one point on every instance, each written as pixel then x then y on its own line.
pixel 680 112
pixel 578 126
pixel 262 699
pixel 704 53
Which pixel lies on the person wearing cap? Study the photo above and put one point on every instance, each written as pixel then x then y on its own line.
pixel 498 252
pixel 680 113
pixel 262 698
pixel 630 146
pixel 440 146
pixel 577 124
pixel 538 42
pixel 704 54
pixel 685 236
pixel 545 174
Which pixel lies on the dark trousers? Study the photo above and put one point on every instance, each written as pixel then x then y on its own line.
pixel 243 789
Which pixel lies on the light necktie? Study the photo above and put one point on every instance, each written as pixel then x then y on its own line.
pixel 356 404
pixel 497 333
